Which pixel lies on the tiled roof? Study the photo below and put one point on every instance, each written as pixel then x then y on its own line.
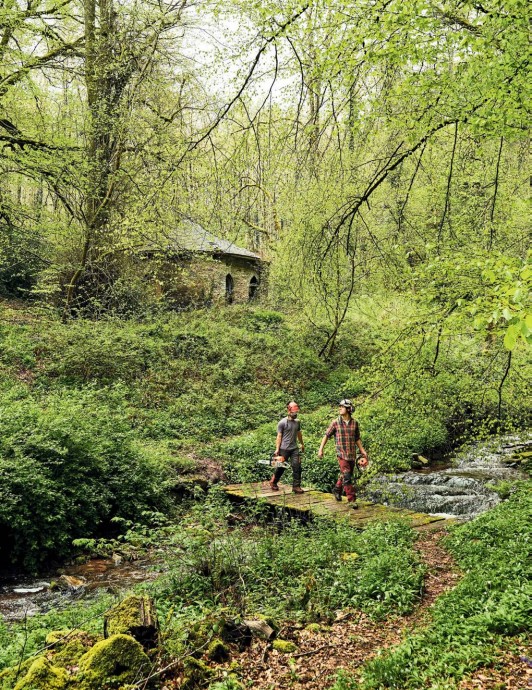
pixel 191 237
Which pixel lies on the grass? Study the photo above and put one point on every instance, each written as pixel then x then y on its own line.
pixel 214 571
pixel 471 622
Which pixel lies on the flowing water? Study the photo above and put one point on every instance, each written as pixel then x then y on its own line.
pixel 461 488
pixel 24 597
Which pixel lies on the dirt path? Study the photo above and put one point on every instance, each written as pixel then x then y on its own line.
pixel 353 639
pixel 350 641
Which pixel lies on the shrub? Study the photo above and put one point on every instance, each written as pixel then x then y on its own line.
pixel 104 351
pixel 19 257
pixel 68 465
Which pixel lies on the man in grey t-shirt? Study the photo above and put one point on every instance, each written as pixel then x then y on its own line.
pixel 288 434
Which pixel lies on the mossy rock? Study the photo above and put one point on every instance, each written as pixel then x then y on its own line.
pixel 313 627
pixel 217 651
pixel 113 662
pixel 42 675
pixel 135 616
pixel 523 455
pixel 68 646
pixel 202 631
pixel 9 676
pixel 197 674
pixel 284 646
pixel 70 654
pixel 57 637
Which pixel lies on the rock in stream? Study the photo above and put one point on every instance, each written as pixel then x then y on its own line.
pixel 462 490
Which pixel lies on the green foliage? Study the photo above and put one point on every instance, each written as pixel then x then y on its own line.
pixel 491 601
pixel 504 488
pixel 68 465
pixel 387 576
pixel 300 572
pixel 392 432
pixel 229 684
pixel 492 293
pixel 107 352
pixel 19 259
pixel 27 638
pixel 344 681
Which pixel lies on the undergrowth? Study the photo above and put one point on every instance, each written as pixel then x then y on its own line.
pixel 218 565
pixel 83 404
pixel 305 571
pixel 469 623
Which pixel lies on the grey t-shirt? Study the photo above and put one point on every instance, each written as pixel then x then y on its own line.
pixel 289 428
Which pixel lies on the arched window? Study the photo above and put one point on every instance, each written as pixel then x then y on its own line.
pixel 229 288
pixel 253 287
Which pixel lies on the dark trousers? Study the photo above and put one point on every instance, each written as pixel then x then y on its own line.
pixel 291 456
pixel 345 480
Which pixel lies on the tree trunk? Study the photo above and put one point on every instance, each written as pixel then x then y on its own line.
pixel 105 80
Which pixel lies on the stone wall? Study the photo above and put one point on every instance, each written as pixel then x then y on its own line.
pixel 209 280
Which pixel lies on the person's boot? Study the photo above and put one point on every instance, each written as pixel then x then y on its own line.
pixel 273 484
pixel 337 492
pixel 297 490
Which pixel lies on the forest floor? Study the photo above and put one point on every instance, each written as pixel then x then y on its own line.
pixel 354 638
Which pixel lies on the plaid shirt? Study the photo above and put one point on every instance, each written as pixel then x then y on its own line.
pixel 346 435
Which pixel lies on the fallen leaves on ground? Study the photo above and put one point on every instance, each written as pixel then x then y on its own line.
pixel 351 640
pixel 511 671
pixel 354 638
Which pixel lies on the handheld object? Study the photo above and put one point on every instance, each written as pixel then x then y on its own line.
pixel 275 461
pixel 360 468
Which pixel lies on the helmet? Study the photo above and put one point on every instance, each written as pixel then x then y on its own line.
pixel 293 407
pixel 347 404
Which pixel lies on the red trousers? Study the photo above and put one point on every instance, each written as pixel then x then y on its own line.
pixel 345 480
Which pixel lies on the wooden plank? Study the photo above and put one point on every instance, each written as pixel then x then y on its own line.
pixel 286 501
pixel 322 504
pixel 258 490
pixel 293 499
pixel 440 524
pixel 320 497
pixel 317 504
pixel 331 507
pixel 425 520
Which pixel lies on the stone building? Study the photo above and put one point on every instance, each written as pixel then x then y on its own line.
pixel 191 266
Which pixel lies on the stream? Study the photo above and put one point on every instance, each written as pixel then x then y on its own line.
pixel 459 487
pixel 24 597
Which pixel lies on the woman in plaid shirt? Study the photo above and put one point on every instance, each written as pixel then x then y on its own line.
pixel 347 436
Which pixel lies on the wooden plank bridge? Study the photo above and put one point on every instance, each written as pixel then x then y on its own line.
pixel 313 503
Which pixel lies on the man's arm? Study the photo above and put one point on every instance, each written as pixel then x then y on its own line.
pixel 322 445
pixel 300 439
pixel 278 443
